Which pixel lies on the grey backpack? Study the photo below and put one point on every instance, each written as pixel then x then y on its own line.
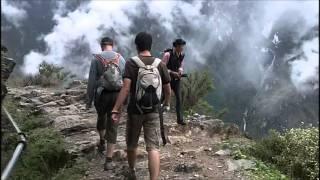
pixel 111 78
pixel 148 85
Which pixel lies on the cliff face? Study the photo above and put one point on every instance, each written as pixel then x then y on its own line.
pixel 7 65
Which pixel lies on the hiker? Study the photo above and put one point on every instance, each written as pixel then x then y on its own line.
pixel 173 58
pixel 144 78
pixel 104 84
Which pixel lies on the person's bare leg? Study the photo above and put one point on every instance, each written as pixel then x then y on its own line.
pixel 110 149
pixel 132 156
pixel 154 164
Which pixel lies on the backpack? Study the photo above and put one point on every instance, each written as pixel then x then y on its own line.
pixel 148 85
pixel 111 78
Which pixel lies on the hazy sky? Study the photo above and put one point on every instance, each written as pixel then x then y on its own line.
pixel 89 22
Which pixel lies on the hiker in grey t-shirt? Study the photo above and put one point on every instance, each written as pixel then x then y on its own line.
pixel 104 84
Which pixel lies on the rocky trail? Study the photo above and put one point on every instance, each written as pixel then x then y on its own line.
pixel 194 152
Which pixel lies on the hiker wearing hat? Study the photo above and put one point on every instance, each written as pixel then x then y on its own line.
pixel 104 85
pixel 173 58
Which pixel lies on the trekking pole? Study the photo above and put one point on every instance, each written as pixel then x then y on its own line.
pixel 20 147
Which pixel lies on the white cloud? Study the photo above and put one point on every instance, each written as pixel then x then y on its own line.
pixel 88 22
pixel 12 13
pixel 304 70
pixel 32 62
pixel 91 20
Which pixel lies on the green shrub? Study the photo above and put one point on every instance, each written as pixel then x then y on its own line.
pixel 240 149
pixel 49 75
pixel 44 156
pixel 265 172
pixel 295 153
pixel 194 89
pixel 23 116
pixel 77 171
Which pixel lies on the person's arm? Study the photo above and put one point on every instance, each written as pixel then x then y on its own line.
pixel 91 83
pixel 125 90
pixel 167 94
pixel 122 64
pixel 165 59
pixel 165 78
pixel 181 68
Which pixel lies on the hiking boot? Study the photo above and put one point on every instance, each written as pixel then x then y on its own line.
pixel 181 123
pixel 132 174
pixel 101 146
pixel 109 165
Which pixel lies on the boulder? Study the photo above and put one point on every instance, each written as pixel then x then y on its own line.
pixel 62 102
pixel 241 164
pixel 25 105
pixel 74 92
pixel 47 98
pixel 225 152
pixel 49 104
pixel 81 143
pixel 187 168
pixel 74 83
pixel 179 139
pixel 72 123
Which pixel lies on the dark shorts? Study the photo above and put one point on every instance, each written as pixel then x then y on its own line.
pixel 104 104
pixel 151 128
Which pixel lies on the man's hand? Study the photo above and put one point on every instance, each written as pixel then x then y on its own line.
pixel 115 117
pixel 176 75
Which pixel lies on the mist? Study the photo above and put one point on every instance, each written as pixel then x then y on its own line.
pixel 253 49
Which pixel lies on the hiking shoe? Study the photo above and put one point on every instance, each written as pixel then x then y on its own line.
pixel 132 174
pixel 109 165
pixel 181 123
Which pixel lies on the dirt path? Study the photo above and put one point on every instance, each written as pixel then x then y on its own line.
pixel 191 154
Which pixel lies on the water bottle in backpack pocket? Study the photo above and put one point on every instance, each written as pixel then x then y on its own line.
pixel 111 78
pixel 148 85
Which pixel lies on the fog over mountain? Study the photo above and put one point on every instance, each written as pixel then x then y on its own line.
pixel 263 55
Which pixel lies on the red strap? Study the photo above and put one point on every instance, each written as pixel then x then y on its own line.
pixel 108 61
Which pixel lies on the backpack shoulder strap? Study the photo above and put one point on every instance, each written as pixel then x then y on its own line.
pixel 156 62
pixel 138 61
pixel 100 58
pixel 116 60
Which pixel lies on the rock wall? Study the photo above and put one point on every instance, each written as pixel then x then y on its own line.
pixel 7 66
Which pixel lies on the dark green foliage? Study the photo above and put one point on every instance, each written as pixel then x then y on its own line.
pixel 75 172
pixel 49 75
pixel 295 153
pixel 241 148
pixel 7 66
pixel 265 172
pixel 45 156
pixel 27 121
pixel 194 89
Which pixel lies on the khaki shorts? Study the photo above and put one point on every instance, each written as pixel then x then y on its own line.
pixel 151 128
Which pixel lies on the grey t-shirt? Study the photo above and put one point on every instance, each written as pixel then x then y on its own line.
pixel 96 70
